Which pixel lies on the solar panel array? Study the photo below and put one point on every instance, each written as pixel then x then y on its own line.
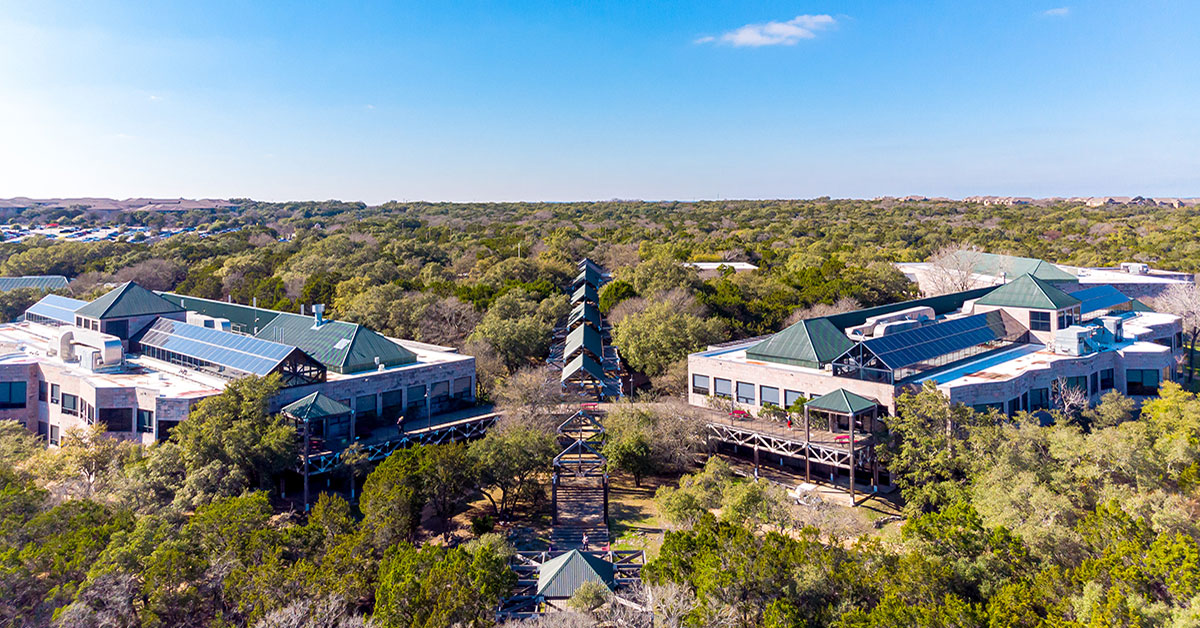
pixel 1099 298
pixel 243 353
pixel 924 343
pixel 57 308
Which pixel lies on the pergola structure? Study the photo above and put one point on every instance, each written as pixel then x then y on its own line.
pixel 580 459
pixel 843 407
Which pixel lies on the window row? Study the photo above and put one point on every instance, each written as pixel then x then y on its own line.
pixel 747 392
pixel 1138 382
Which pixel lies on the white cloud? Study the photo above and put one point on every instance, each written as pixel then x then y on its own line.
pixel 1059 12
pixel 155 98
pixel 774 33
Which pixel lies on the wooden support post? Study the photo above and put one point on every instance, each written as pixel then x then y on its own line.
pixel 307 445
pixel 755 461
pixel 874 469
pixel 606 499
pixel 554 497
pixel 852 449
pixel 807 449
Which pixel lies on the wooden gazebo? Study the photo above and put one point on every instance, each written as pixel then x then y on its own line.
pixel 326 425
pixel 840 405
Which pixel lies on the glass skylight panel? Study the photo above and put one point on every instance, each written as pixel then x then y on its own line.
pixel 923 343
pixel 1099 298
pixel 243 353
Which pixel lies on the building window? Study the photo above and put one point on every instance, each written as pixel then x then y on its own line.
pixel 1106 380
pixel 1014 405
pixel 164 429
pixel 439 397
pixel 1095 381
pixel 1039 321
pixel 70 404
pixel 53 434
pixel 54 393
pixel 790 397
pixel 393 403
pixel 745 392
pixel 1178 340
pixel 768 394
pixel 722 388
pixel 120 329
pixel 1078 383
pixel 145 421
pixel 416 402
pixel 700 384
pixel 12 395
pixel 43 430
pixel 364 406
pixel 1141 382
pixel 1039 399
pixel 1066 318
pixel 43 391
pixel 462 388
pixel 115 419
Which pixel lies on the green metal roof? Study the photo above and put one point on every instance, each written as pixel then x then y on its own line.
pixel 584 312
pixel 996 265
pixel 562 575
pixel 342 347
pixel 842 401
pixel 1138 306
pixel 583 363
pixel 586 263
pixel 587 293
pixel 810 343
pixel 126 300
pixel 589 275
pixel 39 282
pixel 315 406
pixel 245 319
pixel 583 337
pixel 1029 292
pixel 941 304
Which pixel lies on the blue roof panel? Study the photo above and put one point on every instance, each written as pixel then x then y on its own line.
pixel 242 353
pixel 924 343
pixel 1099 298
pixel 57 308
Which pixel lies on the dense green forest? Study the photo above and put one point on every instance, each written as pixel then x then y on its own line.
pixel 1090 521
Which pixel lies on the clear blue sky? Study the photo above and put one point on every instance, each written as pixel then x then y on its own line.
pixel 556 100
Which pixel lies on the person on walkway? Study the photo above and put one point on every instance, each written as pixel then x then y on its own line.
pixel 585 541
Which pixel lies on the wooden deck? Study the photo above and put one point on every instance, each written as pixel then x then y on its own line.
pixel 379 442
pixel 829 449
pixel 779 429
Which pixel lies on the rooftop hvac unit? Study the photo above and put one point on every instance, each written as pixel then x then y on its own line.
pixel 1114 326
pixel 1074 340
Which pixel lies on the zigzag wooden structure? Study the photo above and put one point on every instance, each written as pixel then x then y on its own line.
pixel 861 452
pixel 466 429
